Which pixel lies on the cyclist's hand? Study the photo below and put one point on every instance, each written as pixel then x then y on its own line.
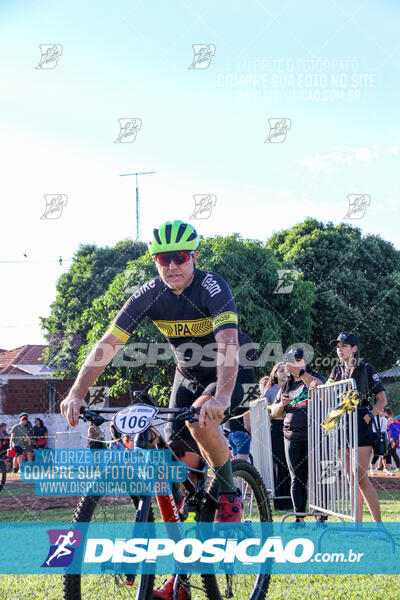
pixel 70 407
pixel 213 409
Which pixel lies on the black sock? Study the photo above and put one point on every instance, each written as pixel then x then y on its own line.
pixel 224 477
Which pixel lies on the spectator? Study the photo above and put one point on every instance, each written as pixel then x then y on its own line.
pixel 28 424
pixel 39 434
pixel 382 422
pixel 368 381
pixel 393 432
pixel 274 383
pixel 21 442
pixel 239 437
pixel 128 442
pixel 4 437
pixel 95 437
pixel 291 405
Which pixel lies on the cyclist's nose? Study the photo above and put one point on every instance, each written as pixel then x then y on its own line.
pixel 172 265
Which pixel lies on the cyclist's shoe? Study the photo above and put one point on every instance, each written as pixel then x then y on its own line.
pixel 230 508
pixel 165 591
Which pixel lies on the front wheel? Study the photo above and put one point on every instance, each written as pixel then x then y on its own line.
pixel 110 586
pixel 256 508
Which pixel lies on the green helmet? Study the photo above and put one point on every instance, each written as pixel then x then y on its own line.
pixel 173 237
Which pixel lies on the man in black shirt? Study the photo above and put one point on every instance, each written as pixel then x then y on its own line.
pixel 196 313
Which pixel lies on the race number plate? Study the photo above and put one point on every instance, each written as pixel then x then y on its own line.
pixel 135 419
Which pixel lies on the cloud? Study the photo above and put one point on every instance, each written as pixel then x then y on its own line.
pixel 342 155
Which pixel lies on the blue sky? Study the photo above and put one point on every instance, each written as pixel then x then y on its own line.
pixel 202 130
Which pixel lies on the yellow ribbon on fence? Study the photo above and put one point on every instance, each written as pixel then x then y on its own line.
pixel 348 404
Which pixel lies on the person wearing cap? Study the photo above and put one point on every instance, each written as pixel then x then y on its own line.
pixel 368 382
pixel 194 310
pixel 291 405
pixel 29 425
pixel 21 442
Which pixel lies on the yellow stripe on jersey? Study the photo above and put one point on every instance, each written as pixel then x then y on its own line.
pixel 121 334
pixel 197 328
pixel 225 317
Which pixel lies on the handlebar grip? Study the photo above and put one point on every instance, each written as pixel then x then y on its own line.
pixel 82 410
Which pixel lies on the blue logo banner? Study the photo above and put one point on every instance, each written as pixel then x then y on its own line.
pixel 200 548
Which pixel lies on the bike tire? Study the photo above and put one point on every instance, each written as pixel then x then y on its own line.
pixel 3 474
pixel 213 584
pixel 111 588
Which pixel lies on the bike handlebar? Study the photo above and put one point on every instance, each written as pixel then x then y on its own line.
pixel 182 414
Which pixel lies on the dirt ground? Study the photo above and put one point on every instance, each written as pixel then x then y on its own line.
pixel 18 495
pixel 382 483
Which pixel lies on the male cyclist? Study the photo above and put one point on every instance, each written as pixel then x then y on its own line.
pixel 196 312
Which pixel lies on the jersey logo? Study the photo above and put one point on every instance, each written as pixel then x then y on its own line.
pixel 225 317
pixel 197 328
pixel 211 285
pixel 145 288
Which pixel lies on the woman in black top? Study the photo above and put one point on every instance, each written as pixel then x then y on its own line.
pixel 39 434
pixel 368 382
pixel 291 403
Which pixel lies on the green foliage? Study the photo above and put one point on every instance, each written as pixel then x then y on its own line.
pixel 251 271
pixel 91 272
pixel 392 391
pixel 356 280
pixel 161 393
pixel 347 282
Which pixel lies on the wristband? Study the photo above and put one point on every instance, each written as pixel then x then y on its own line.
pixel 371 414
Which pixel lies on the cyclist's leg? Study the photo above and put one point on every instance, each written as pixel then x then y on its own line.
pixel 184 393
pixel 210 439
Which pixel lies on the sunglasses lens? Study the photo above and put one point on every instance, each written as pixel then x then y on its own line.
pixel 178 257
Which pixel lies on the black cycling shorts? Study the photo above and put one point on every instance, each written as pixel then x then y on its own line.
pixel 185 392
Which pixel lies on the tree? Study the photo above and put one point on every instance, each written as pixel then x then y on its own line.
pixel 356 280
pixel 91 272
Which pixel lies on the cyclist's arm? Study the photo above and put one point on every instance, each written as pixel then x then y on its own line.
pixel 104 351
pixel 228 346
pixel 214 408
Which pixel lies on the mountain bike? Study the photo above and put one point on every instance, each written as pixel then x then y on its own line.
pixel 200 499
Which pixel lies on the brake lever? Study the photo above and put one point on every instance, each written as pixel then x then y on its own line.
pixel 89 415
pixel 193 411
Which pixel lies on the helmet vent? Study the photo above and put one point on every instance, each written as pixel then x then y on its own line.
pixel 168 233
pixel 157 236
pixel 181 231
pixel 192 236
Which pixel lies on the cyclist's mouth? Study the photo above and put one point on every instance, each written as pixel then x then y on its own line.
pixel 174 278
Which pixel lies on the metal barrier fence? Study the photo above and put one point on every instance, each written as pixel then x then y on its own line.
pixel 332 458
pixel 261 445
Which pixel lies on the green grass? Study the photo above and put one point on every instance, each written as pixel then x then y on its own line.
pixel 282 587
pixel 287 587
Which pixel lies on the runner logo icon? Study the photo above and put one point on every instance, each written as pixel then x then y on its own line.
pixel 61 552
